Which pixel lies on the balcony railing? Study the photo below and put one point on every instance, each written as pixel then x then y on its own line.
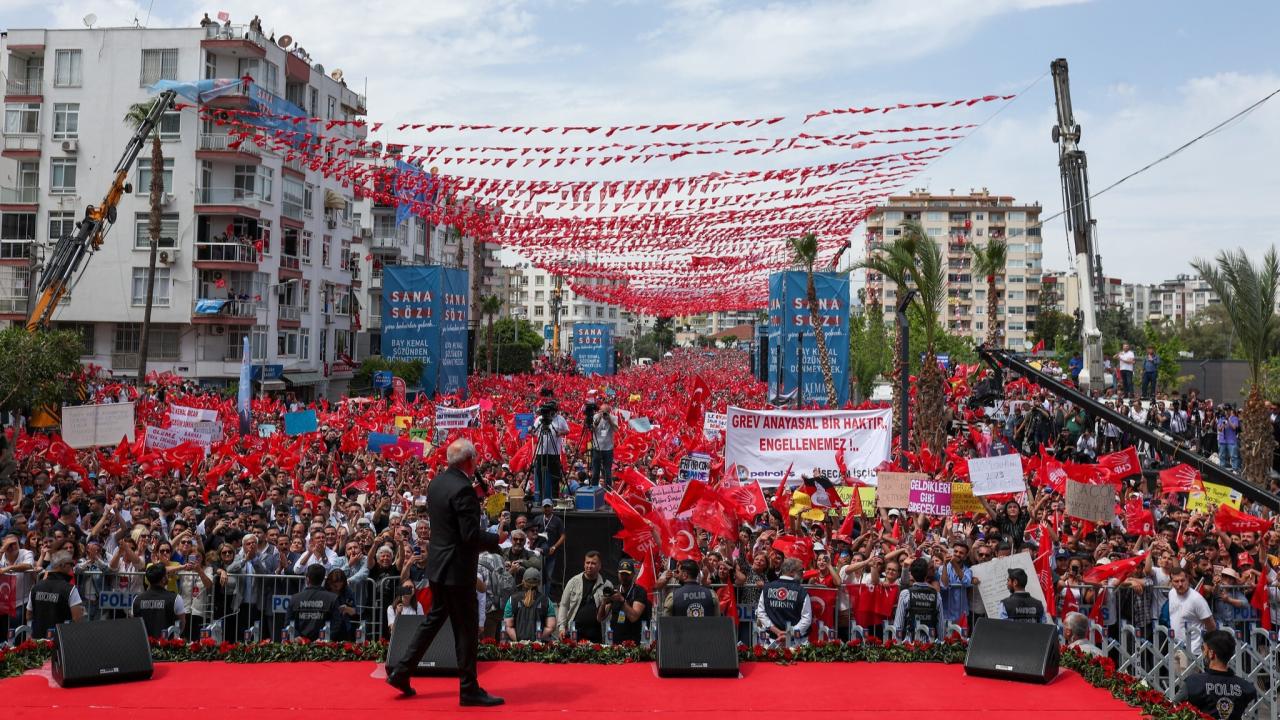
pixel 230 308
pixel 234 32
pixel 290 312
pixel 24 86
pixel 290 262
pixel 387 241
pixel 22 141
pixel 124 361
pixel 19 196
pixel 15 249
pixel 227 143
pixel 227 196
pixel 296 165
pixel 232 252
pixel 13 305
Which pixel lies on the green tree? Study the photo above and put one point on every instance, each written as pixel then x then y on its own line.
pixel 990 262
pixel 135 117
pixel 1117 327
pixel 664 334
pixel 1168 346
pixel 870 349
pixel 36 369
pixel 408 370
pixel 1248 293
pixel 804 252
pixel 895 262
pixel 516 344
pixel 1058 331
pixel 490 306
pixel 1209 335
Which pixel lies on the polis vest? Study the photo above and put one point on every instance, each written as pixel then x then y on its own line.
pixel 694 600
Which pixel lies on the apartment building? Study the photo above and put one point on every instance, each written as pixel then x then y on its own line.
pixel 253 245
pixel 530 295
pixel 956 223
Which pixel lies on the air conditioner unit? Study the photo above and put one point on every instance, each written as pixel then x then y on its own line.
pixel 167 256
pixel 219 330
pixel 70 146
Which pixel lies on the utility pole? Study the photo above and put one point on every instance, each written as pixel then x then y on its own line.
pixel 1080 223
pixel 557 304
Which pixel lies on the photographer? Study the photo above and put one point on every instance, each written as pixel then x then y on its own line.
pixel 551 428
pixel 603 424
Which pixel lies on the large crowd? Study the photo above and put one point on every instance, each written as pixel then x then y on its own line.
pixel 257 517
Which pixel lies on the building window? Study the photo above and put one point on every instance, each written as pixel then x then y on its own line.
pixel 306 247
pixel 66 68
pixel 935 216
pixel 22 118
pixel 159 294
pixel 306 296
pixel 325 252
pixel 142 231
pixel 66 121
pixel 1017 216
pixel 287 344
pixel 158 65
pixel 127 338
pixel 539 310
pixel 257 344
pixel 333 108
pixel 62 176
pixel 61 223
pixel 599 311
pixel 540 280
pixel 210 66
pixel 85 331
pixel 143 186
pixel 304 344
pixel 314 95
pixel 171 125
pixel 934 232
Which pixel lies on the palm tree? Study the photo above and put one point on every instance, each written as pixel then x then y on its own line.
pixel 804 251
pixel 490 306
pixel 991 261
pixel 896 262
pixel 137 114
pixel 1248 295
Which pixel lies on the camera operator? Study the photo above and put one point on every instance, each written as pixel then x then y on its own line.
pixel 604 424
pixel 551 428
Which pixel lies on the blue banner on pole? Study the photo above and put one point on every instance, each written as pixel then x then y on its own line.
pixel 382 379
pixel 593 348
pixel 300 423
pixel 789 322
pixel 378 440
pixel 424 317
pixel 524 423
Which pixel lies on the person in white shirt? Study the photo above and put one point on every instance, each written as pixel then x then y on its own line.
pixel 317 553
pixel 1189 617
pixel 1124 359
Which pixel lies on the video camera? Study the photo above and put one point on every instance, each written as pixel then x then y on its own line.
pixel 547 411
pixel 589 411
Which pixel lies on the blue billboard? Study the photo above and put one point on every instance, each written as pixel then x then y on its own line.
pixel 424 317
pixel 791 335
pixel 593 348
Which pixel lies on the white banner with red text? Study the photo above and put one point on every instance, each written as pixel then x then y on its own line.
pixel 769 442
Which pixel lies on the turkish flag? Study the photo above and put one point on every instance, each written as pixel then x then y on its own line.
pixel 395 452
pixel 1181 478
pixel 1044 572
pixel 1119 569
pixel 728 597
pixel 1261 599
pixel 683 544
pixel 824 609
pixel 1122 464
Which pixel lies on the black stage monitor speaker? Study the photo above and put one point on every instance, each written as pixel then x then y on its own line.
pixel 585 531
pixel 101 652
pixel 440 659
pixel 697 647
pixel 1013 651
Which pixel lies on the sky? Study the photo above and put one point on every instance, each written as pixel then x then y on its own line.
pixel 1146 77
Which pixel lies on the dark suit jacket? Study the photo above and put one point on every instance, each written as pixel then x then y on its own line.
pixel 456 537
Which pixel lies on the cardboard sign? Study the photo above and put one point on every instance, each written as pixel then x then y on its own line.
pixel 85 426
pixel 695 466
pixel 1214 494
pixel 454 418
pixel 404 422
pixel 666 499
pixel 377 440
pixel 524 423
pixel 1095 503
pixel 266 430
pixel 996 475
pixel 300 423
pixel 963 500
pixel 714 422
pixel 929 496
pixel 993 577
pixel 866 499
pixel 894 489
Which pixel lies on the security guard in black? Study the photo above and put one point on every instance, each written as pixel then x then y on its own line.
pixel 158 607
pixel 54 599
pixel 1020 606
pixel 692 599
pixel 1218 693
pixel 919 604
pixel 310 609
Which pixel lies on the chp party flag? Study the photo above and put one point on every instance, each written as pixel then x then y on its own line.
pixel 1119 569
pixel 1230 520
pixel 1181 478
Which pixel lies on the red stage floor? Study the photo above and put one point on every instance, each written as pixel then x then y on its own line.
pixel 324 690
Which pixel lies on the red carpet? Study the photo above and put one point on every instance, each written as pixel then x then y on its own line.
pixel 324 690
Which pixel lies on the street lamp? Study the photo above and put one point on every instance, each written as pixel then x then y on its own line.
pixel 266 329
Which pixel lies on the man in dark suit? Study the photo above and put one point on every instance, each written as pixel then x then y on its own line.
pixel 453 556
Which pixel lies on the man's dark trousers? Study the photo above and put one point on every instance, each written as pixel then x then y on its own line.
pixel 455 604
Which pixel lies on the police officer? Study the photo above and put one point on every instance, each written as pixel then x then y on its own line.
pixel 310 609
pixel 692 599
pixel 919 604
pixel 784 604
pixel 158 607
pixel 1218 693
pixel 1020 605
pixel 54 599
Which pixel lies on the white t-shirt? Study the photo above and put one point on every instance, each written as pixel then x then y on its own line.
pixel 1126 360
pixel 1187 614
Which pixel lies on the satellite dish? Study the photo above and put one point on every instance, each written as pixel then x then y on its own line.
pixel 318 68
pixel 89 20
pixel 285 41
pixel 336 75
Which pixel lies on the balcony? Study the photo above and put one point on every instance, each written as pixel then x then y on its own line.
pixel 290 267
pixel 225 255
pixel 228 201
pixel 226 147
pixel 15 249
pixel 289 313
pixel 387 242
pixel 13 306
pixel 230 312
pixel 16 88
pixel 291 207
pixel 295 165
pixel 124 361
pixel 19 196
pixel 21 145
pixel 236 41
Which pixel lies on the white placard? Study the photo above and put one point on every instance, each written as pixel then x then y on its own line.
pixel 165 438
pixel 768 442
pixel 452 418
pixel 995 475
pixel 714 422
pixel 993 577
pixel 666 499
pixel 182 416
pixel 85 426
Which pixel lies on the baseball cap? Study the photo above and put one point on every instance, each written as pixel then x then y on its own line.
pixel 532 575
pixel 547 503
pixel 627 566
pixel 1062 554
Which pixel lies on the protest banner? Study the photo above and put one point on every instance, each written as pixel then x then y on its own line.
pixel 85 426
pixel 592 348
pixel 963 500
pixel 1214 494
pixel 894 490
pixel 866 499
pixel 266 430
pixel 929 496
pixel 695 466
pixel 524 423
pixel 666 499
pixel 300 423
pixel 769 442
pixel 421 434
pixel 454 418
pixel 403 422
pixel 377 440
pixel 182 416
pixel 165 438
pixel 993 577
pixel 996 475
pixel 792 341
pixel 1095 503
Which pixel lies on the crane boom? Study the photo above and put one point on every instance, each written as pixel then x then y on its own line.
pixel 71 249
pixel 1075 198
